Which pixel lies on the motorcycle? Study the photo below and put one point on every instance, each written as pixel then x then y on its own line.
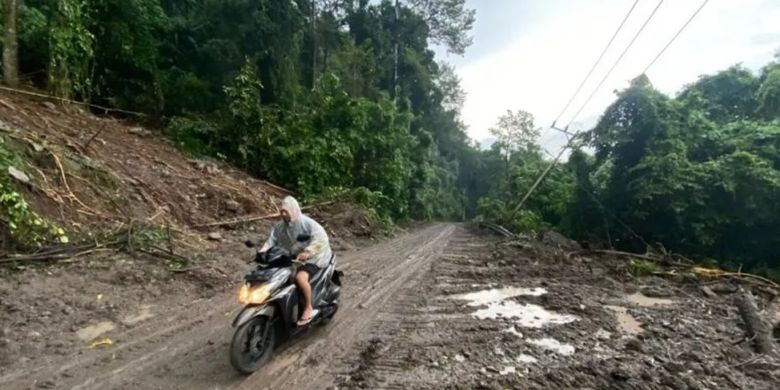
pixel 272 305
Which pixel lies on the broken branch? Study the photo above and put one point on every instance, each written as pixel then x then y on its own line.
pixel 89 141
pixel 755 326
pixel 237 221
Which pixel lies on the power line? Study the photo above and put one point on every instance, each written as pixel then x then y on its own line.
pixel 675 36
pixel 595 64
pixel 609 72
pixel 615 217
pixel 574 135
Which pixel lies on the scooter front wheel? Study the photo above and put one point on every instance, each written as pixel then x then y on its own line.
pixel 253 344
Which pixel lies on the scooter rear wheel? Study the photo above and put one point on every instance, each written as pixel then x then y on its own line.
pixel 253 344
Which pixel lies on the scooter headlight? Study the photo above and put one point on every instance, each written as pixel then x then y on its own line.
pixel 254 295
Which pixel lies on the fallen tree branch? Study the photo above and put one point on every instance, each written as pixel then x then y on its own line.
pixel 97 133
pixel 755 326
pixel 498 229
pixel 41 95
pixel 67 187
pixel 240 220
pixel 698 271
pixel 282 190
pixel 56 254
pixel 748 361
pixel 236 221
pixel 163 255
pixel 716 273
pixel 648 257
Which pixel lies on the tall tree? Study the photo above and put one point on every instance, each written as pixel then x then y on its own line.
pixel 449 21
pixel 10 44
pixel 515 132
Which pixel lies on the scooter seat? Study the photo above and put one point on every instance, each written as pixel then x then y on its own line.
pixel 319 275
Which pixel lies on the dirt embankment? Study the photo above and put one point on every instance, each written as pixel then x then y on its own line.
pixel 88 171
pixel 95 176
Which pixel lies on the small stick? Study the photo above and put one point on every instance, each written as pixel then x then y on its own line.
pixel 89 141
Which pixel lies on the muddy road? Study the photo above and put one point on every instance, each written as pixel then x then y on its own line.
pixel 447 307
pixel 185 346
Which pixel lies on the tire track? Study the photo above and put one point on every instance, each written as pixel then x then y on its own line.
pixel 187 346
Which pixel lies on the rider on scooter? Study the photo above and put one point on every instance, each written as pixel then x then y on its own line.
pixel 316 254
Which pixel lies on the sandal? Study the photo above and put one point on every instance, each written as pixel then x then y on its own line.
pixel 307 320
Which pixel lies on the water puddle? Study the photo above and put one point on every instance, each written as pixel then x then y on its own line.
pixel 554 345
pixel 643 300
pixel 626 322
pixel 485 297
pixel 526 315
pixel 143 315
pixel 523 358
pixel 93 331
pixel 523 314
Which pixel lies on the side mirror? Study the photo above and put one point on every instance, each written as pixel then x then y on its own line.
pixel 249 244
pixel 303 238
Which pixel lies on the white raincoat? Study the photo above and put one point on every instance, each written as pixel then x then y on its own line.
pixel 284 235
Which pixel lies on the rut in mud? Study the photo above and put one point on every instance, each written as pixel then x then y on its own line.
pixel 184 345
pixel 497 314
pixel 445 306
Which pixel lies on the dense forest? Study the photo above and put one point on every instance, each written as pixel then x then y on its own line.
pixel 697 174
pixel 337 97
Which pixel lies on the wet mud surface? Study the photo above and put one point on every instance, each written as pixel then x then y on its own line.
pixel 497 315
pixel 439 307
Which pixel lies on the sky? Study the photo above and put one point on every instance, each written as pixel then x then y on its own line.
pixel 532 54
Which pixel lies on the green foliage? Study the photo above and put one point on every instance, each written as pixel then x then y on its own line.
pixel 305 93
pixel 71 53
pixel 500 212
pixel 699 173
pixel 726 96
pixel 311 95
pixel 192 135
pixel 639 267
pixel 768 94
pixel 26 227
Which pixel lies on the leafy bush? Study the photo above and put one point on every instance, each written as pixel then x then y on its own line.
pixel 639 267
pixel 25 226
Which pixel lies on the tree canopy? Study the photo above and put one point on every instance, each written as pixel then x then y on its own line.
pixel 346 96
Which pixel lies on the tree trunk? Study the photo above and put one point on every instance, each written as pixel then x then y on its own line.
pixel 313 44
pixel 395 55
pixel 10 45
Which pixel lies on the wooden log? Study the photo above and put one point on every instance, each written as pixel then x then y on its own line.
pixel 240 220
pixel 757 329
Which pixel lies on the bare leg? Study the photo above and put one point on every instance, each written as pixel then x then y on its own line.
pixel 302 280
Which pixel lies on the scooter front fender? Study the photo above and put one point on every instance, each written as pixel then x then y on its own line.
pixel 249 312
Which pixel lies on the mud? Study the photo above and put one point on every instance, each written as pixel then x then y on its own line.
pixel 115 171
pixel 621 338
pixel 408 320
pixel 175 334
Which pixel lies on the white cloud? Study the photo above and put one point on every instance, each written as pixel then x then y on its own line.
pixel 555 43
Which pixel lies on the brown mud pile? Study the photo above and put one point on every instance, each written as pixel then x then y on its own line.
pixel 541 319
pixel 86 170
pixel 94 176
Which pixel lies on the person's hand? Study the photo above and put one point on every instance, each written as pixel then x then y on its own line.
pixel 303 256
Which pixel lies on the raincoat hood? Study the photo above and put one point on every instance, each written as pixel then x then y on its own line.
pixel 292 207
